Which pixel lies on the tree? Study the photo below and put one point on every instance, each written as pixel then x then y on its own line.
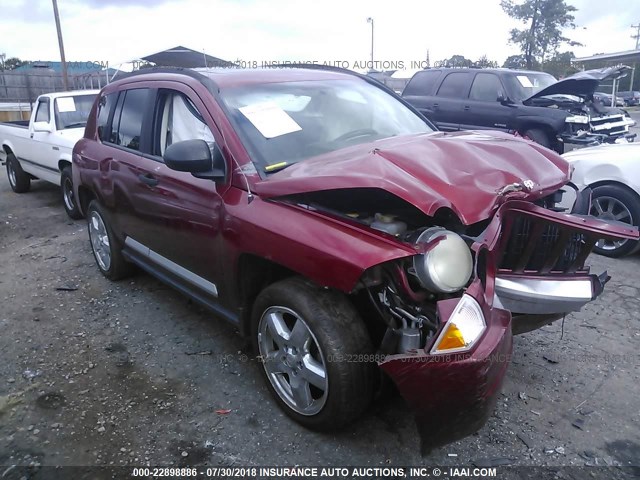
pixel 12 63
pixel 518 62
pixel 545 19
pixel 560 65
pixel 484 62
pixel 456 61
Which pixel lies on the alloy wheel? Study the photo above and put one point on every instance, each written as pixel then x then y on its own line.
pixel 293 361
pixel 100 240
pixel 610 209
pixel 12 173
pixel 67 194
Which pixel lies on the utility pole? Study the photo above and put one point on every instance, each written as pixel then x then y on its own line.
pixel 65 79
pixel 637 35
pixel 370 20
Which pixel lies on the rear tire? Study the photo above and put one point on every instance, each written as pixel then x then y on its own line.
pixel 612 202
pixel 104 244
pixel 19 180
pixel 316 353
pixel 68 198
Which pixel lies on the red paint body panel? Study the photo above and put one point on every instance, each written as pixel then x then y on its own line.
pixel 461 171
pixel 329 252
pixel 452 395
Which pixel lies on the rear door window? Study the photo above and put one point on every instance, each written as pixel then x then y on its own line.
pixel 486 87
pixel 455 85
pixel 127 121
pixel 422 83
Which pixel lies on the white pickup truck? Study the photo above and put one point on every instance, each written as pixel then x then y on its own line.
pixel 41 148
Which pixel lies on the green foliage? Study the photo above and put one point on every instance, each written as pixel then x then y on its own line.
pixel 460 61
pixel 560 65
pixel 12 63
pixel 544 20
pixel 519 62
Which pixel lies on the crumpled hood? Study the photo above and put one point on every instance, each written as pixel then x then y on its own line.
pixel 462 171
pixel 581 84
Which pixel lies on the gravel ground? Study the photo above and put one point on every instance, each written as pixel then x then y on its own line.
pixel 131 373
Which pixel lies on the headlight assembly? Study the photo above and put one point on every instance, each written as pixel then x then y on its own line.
pixel 447 266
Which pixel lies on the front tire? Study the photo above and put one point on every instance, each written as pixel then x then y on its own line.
pixel 314 350
pixel 19 180
pixel 68 198
pixel 612 202
pixel 106 249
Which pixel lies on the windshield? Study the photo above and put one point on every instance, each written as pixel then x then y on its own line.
pixel 522 85
pixel 73 112
pixel 285 123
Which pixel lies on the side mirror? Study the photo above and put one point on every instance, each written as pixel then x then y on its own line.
pixel 42 127
pixel 502 98
pixel 195 157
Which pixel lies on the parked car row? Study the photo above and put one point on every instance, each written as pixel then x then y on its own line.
pixel 606 99
pixel 340 231
pixel 630 99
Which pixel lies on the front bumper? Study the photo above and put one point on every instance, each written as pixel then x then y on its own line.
pixel 540 295
pixel 452 395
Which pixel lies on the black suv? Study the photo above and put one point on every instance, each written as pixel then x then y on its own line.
pixel 533 104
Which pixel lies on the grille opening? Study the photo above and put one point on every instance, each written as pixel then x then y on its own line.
pixel 543 247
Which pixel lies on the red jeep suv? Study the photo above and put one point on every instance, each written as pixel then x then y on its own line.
pixel 331 222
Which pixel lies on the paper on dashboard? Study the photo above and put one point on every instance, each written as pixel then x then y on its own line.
pixel 270 120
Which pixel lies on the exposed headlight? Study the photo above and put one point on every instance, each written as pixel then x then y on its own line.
pixel 447 266
pixel 463 329
pixel 577 119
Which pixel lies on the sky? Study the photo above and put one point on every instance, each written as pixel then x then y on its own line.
pixel 257 31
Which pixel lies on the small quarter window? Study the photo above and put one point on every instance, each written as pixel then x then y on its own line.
pixel 42 113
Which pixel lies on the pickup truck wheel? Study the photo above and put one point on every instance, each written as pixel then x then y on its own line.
pixel 538 136
pixel 18 179
pixel 314 349
pixel 68 199
pixel 611 202
pixel 104 244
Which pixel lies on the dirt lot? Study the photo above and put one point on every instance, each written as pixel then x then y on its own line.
pixel 131 373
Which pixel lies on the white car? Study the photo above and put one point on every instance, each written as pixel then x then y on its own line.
pixel 613 174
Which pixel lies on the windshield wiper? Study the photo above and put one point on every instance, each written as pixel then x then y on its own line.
pixel 276 167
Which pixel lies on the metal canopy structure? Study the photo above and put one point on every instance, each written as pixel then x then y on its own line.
pixel 629 57
pixel 186 58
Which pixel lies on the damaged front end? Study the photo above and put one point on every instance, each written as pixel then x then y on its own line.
pixel 446 315
pixel 588 122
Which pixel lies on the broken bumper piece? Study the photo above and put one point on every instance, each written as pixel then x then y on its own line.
pixel 544 295
pixel 452 395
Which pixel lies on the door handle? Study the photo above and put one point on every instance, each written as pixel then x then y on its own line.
pixel 435 106
pixel 148 179
pixel 466 108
